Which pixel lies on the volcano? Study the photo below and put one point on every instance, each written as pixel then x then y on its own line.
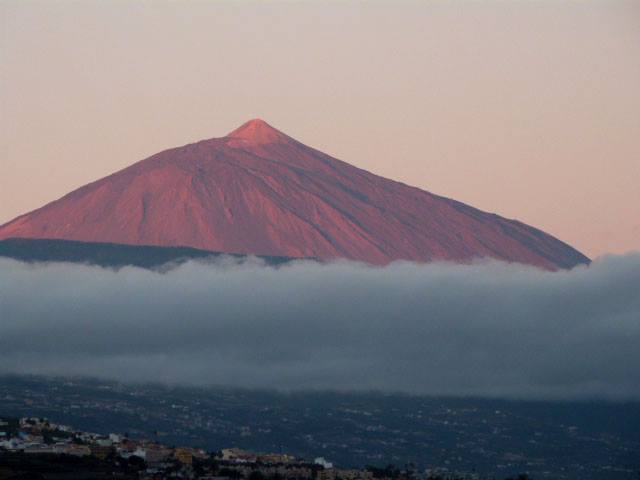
pixel 259 191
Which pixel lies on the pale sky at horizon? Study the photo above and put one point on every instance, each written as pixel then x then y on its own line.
pixel 527 109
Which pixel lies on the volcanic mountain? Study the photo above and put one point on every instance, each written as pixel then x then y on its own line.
pixel 259 191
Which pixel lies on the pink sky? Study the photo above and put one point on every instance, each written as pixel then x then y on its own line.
pixel 527 109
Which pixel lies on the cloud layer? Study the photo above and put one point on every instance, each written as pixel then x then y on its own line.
pixel 489 329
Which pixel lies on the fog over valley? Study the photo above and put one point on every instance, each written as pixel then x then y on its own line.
pixel 489 329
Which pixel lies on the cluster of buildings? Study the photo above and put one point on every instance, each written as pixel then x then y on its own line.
pixel 32 436
pixel 40 436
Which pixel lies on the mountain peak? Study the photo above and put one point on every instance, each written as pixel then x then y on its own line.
pixel 257 131
pixel 251 193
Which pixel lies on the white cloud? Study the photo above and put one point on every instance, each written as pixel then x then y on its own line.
pixel 489 329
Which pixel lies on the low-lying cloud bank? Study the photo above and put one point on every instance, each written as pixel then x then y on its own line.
pixel 489 329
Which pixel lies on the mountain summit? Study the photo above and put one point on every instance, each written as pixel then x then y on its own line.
pixel 259 191
pixel 258 131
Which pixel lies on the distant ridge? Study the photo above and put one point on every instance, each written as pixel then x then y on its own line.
pixel 112 255
pixel 259 191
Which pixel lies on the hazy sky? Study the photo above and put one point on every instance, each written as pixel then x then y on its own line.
pixel 528 109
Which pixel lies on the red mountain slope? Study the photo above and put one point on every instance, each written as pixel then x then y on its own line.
pixel 259 191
